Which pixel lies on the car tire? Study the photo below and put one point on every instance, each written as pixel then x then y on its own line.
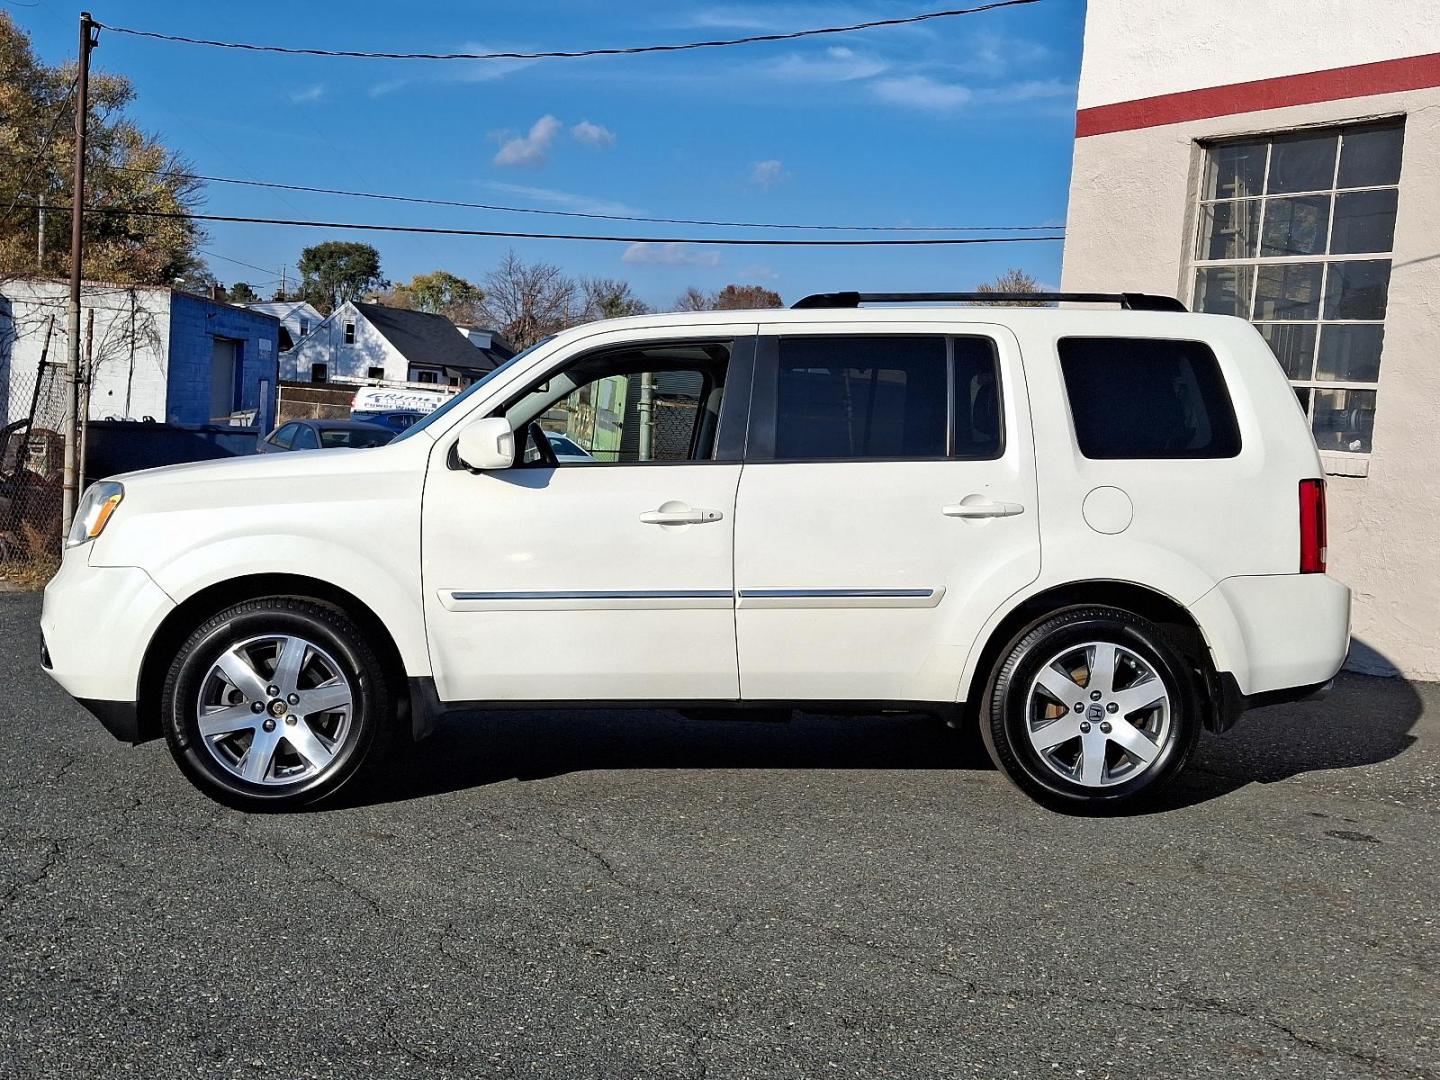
pixel 1130 717
pixel 276 703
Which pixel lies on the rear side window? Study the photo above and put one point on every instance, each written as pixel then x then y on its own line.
pixel 848 398
pixel 1137 398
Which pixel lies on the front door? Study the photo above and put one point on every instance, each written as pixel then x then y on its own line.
pixel 888 507
pixel 223 397
pixel 600 566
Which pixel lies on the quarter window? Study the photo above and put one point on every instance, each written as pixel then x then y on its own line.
pixel 1295 233
pixel 1137 398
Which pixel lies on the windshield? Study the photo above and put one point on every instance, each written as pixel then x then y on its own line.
pixel 358 438
pixel 421 425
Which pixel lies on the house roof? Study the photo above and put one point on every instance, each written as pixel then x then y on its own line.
pixel 423 338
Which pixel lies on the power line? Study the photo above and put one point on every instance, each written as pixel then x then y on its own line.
pixel 237 262
pixel 588 215
pixel 728 241
pixel 570 54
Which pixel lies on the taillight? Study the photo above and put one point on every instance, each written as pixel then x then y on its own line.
pixel 1312 526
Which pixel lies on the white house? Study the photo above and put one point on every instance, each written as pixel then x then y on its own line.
pixel 372 343
pixel 297 319
pixel 1280 162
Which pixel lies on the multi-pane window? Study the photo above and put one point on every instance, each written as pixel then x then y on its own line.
pixel 1295 234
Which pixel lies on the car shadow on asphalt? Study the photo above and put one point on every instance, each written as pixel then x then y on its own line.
pixel 1364 721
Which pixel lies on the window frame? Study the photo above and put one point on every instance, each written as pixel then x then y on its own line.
pixel 731 423
pixel 323 368
pixel 764 403
pixel 348 332
pixel 1307 389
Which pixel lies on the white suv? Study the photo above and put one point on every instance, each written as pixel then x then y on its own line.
pixel 1092 531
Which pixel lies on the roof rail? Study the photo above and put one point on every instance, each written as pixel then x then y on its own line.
pixel 1128 301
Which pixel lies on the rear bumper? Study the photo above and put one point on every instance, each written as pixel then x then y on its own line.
pixel 1276 634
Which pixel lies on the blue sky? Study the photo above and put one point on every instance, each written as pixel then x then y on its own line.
pixel 964 121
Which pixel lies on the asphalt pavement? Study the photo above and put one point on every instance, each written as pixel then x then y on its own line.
pixel 631 894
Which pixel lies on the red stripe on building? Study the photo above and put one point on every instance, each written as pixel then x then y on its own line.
pixel 1359 80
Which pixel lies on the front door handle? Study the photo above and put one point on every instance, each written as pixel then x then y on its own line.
pixel 979 507
pixel 687 516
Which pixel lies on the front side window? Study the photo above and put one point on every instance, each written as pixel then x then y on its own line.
pixel 1295 233
pixel 652 403
pixel 839 398
pixel 1139 398
pixel 305 439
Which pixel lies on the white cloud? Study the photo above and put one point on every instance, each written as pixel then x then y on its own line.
pixel 759 272
pixel 592 134
pixel 1028 90
pixel 388 86
pixel 532 150
pixel 768 173
pixel 837 64
pixel 922 92
pixel 993 55
pixel 308 95
pixel 485 70
pixel 563 200
pixel 669 255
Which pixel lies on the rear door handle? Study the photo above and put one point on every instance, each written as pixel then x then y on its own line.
pixel 697 516
pixel 982 508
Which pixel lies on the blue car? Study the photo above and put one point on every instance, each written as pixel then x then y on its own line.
pixel 396 420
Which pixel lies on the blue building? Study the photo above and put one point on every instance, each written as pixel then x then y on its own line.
pixel 148 353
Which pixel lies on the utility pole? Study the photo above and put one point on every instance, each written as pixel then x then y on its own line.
pixel 40 238
pixel 89 38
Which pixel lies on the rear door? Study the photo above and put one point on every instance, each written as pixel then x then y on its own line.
pixel 887 507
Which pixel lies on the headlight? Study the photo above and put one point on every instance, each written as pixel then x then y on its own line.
pixel 95 509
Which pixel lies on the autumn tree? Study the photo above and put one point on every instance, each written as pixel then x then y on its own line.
pixel 609 298
pixel 127 168
pixel 441 293
pixel 745 297
pixel 528 301
pixel 730 298
pixel 339 270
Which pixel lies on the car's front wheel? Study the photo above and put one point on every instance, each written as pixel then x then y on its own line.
pixel 275 703
pixel 1092 707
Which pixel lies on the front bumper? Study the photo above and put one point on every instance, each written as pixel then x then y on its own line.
pixel 95 626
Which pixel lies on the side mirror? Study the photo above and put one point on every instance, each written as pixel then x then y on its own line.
pixel 487 444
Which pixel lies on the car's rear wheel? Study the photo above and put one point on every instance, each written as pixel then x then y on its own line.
pixel 1092 707
pixel 276 703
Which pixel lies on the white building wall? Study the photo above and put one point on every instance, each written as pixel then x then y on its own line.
pixel 326 345
pixel 1130 226
pixel 1139 50
pixel 129 345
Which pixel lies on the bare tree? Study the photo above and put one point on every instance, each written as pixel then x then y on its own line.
pixel 693 299
pixel 609 298
pixel 1014 280
pixel 527 301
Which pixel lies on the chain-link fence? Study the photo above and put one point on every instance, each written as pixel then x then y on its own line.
pixel 32 450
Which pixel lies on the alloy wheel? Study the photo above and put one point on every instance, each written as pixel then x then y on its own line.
pixel 275 710
pixel 1098 714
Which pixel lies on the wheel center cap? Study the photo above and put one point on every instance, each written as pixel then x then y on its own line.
pixel 278 708
pixel 1095 712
